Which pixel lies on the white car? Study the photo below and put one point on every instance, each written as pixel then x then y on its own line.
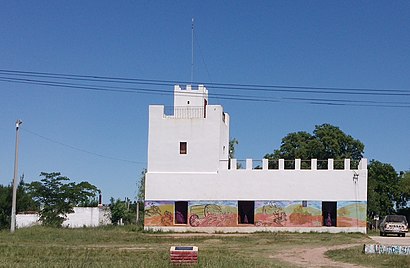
pixel 394 224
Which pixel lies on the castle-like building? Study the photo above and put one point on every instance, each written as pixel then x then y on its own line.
pixel 192 185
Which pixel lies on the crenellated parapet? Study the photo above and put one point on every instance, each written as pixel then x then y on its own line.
pixel 297 164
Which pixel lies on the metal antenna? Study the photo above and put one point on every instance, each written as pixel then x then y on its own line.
pixel 192 53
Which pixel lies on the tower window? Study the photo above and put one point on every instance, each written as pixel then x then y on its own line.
pixel 183 147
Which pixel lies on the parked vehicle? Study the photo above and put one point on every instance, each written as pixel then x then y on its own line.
pixel 394 224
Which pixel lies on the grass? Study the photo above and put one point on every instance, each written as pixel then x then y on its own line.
pixel 129 246
pixel 356 255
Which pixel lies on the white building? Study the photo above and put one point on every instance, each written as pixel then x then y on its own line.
pixel 190 186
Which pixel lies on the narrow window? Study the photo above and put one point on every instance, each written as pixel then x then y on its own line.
pixel 181 212
pixel 329 213
pixel 205 104
pixel 183 147
pixel 246 212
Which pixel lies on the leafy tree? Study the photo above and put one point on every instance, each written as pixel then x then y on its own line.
pixel 141 186
pixel 405 187
pixel 122 210
pixel 383 189
pixel 232 143
pixel 24 202
pixel 58 196
pixel 326 142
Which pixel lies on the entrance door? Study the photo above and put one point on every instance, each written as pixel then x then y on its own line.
pixel 246 211
pixel 329 213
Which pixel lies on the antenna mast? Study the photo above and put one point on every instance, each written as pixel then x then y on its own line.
pixel 192 53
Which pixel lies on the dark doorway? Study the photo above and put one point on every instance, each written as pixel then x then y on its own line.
pixel 246 212
pixel 181 212
pixel 329 213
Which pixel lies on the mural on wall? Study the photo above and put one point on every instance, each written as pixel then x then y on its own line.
pixel 159 213
pixel 266 213
pixel 213 213
pixel 288 214
pixel 351 214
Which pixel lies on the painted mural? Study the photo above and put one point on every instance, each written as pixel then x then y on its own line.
pixel 351 214
pixel 159 213
pixel 287 214
pixel 266 214
pixel 213 214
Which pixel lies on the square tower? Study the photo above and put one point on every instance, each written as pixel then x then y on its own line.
pixel 191 137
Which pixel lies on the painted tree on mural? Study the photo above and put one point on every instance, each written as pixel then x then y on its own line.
pixel 326 142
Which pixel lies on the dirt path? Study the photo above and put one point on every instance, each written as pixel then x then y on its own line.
pixel 313 257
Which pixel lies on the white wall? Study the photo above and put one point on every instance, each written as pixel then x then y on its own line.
pixel 87 216
pixel 326 185
pixel 204 137
pixel 82 216
pixel 27 220
pixel 189 96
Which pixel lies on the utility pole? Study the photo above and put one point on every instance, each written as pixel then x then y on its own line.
pixel 14 201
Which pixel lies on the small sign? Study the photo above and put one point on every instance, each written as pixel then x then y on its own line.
pixel 184 248
pixel 184 255
pixel 383 249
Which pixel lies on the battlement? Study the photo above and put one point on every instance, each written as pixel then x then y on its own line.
pixel 297 164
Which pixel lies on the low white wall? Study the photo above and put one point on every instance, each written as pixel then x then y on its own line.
pixel 27 220
pixel 87 216
pixel 82 217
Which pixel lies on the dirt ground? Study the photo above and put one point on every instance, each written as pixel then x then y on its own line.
pixel 313 257
pixel 392 240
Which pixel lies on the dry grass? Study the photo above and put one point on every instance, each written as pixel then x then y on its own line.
pixel 130 247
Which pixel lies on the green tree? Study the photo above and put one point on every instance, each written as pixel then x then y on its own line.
pixel 141 196
pixel 141 186
pixel 232 143
pixel 24 202
pixel 122 211
pixel 326 142
pixel 384 191
pixel 58 196
pixel 405 187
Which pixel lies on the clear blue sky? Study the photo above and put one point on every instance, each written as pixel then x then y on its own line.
pixel 343 44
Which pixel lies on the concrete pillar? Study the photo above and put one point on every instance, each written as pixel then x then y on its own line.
pixel 265 164
pixel 347 164
pixel 281 164
pixel 363 164
pixel 248 163
pixel 330 164
pixel 297 164
pixel 233 164
pixel 313 165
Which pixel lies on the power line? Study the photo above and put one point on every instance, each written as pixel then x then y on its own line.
pixel 81 150
pixel 236 97
pixel 209 84
pixel 9 76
